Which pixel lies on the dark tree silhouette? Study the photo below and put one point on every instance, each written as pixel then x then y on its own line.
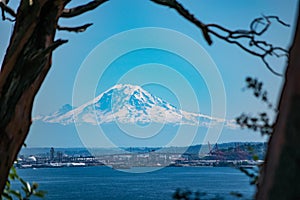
pixel 280 178
pixel 28 60
pixel 25 66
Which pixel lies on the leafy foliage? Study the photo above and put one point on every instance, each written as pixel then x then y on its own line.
pixel 253 174
pixel 261 122
pixel 256 123
pixel 258 91
pixel 186 194
pixel 28 190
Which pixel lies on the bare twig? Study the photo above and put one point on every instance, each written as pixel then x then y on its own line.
pixel 186 14
pixel 72 12
pixel 253 46
pixel 76 29
pixel 6 9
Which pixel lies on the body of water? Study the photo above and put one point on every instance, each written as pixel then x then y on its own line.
pixel 87 183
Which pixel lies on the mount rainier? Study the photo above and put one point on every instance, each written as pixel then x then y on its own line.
pixel 129 104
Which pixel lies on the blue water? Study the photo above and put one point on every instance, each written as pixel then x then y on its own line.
pixel 105 183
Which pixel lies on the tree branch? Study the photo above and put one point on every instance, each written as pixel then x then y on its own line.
pixel 245 39
pixel 76 29
pixel 73 12
pixel 49 49
pixel 6 9
pixel 187 15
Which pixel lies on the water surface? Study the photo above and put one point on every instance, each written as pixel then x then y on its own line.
pixel 86 183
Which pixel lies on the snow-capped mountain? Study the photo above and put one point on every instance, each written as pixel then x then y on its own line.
pixel 126 104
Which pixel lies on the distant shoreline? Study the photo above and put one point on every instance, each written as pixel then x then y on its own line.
pixel 218 155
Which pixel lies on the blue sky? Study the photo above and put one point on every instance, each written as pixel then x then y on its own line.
pixel 117 16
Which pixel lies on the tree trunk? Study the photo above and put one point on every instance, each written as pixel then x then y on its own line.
pixel 26 63
pixel 280 178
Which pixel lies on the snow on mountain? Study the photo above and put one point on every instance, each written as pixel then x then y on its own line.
pixel 127 104
pixel 63 110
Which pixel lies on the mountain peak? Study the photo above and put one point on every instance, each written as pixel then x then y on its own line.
pixel 126 86
pixel 128 104
pixel 127 89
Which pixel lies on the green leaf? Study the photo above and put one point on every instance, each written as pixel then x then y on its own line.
pixel 16 193
pixel 27 187
pixel 8 184
pixel 40 193
pixel 7 196
pixel 35 186
pixel 13 170
pixel 255 157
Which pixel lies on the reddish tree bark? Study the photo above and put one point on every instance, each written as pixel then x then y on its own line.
pixel 26 63
pixel 280 178
pixel 28 60
pixel 25 66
